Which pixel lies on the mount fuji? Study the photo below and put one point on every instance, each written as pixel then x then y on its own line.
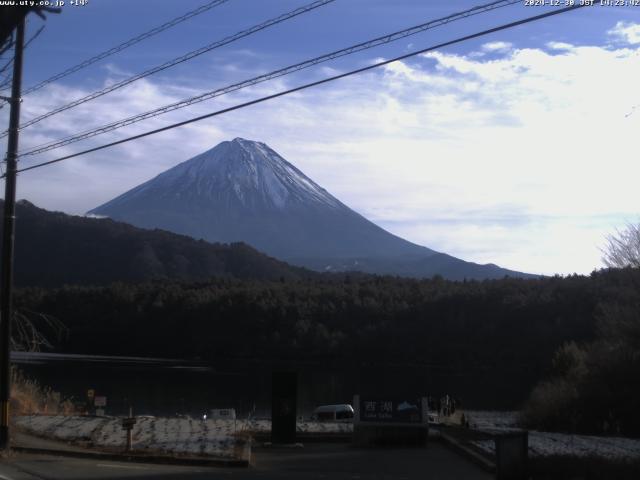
pixel 242 190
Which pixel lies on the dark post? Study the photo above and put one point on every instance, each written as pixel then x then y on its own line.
pixel 284 407
pixel 8 238
pixel 127 424
pixel 512 455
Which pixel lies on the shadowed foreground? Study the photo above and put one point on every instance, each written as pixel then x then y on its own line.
pixel 339 461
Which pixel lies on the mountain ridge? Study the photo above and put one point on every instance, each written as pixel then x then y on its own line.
pixel 53 249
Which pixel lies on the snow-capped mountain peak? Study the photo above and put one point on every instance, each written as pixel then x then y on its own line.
pixel 242 171
pixel 242 190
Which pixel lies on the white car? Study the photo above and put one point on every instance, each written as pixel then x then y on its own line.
pixel 333 413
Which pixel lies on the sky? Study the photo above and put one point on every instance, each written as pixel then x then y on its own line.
pixel 516 148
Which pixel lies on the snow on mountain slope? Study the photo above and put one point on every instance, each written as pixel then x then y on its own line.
pixel 249 174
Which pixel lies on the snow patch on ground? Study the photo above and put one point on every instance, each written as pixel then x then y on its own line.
pixel 193 436
pixel 491 421
pixel 264 426
pixel 546 444
pixel 170 435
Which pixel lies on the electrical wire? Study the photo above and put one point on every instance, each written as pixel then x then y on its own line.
pixel 33 37
pixel 118 48
pixel 6 66
pixel 313 84
pixel 9 77
pixel 184 58
pixel 269 76
pixel 7 44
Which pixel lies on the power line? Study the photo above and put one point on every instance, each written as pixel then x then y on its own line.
pixel 184 58
pixel 10 62
pixel 40 12
pixel 313 84
pixel 7 44
pixel 6 83
pixel 269 76
pixel 118 48
pixel 5 67
pixel 33 37
pixel 9 78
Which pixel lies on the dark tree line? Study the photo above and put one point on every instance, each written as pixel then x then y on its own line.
pixel 474 323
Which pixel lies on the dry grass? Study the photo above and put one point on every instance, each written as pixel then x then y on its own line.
pixel 29 397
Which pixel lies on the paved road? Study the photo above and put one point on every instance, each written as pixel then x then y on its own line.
pixel 319 461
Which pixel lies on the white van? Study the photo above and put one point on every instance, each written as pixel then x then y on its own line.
pixel 333 413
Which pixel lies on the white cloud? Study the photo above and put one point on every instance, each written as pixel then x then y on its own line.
pixel 497 46
pixel 559 46
pixel 626 32
pixel 525 160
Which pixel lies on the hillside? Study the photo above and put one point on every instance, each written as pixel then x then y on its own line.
pixel 53 249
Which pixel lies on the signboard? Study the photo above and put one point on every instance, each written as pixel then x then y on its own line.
pixel 223 413
pixel 128 423
pixel 391 410
pixel 91 393
pixel 99 412
pixel 99 401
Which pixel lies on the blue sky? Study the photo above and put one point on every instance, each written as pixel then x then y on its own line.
pixel 516 148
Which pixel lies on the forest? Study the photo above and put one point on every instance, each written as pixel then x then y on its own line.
pixel 561 334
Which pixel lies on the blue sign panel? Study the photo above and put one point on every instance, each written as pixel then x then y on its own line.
pixel 387 410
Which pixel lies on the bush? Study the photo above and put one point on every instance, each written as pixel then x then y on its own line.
pixel 551 406
pixel 29 397
pixel 595 389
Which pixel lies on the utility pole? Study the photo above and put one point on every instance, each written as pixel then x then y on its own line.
pixel 8 237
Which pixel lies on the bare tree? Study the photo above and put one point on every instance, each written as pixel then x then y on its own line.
pixel 32 330
pixel 623 248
